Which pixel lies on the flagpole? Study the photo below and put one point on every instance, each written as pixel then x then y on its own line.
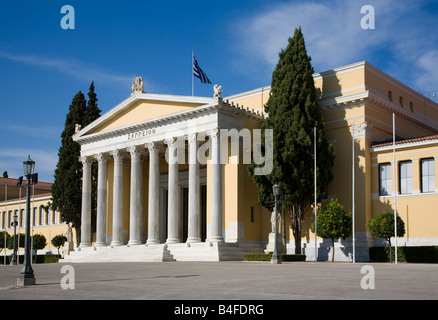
pixel 193 77
pixel 352 188
pixel 314 146
pixel 4 219
pixel 395 185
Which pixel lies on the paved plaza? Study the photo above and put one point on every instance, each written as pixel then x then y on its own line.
pixel 224 281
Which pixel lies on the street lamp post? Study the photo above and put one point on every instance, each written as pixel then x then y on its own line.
pixel 14 253
pixel 27 277
pixel 275 256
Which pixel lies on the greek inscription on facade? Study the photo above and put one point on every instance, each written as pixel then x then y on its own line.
pixel 140 134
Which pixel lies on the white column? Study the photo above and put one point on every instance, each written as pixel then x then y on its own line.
pixel 216 187
pixel 154 195
pixel 136 196
pixel 194 210
pixel 117 198
pixel 86 203
pixel 172 204
pixel 102 160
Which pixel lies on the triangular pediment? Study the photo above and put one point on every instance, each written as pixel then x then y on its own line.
pixel 140 108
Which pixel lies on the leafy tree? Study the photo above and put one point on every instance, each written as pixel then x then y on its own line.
pixel 3 235
pixel 293 113
pixel 333 222
pixel 39 242
pixel 382 226
pixel 67 186
pixel 58 241
pixel 19 238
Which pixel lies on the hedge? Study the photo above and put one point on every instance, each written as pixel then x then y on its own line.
pixel 267 257
pixel 423 254
pixel 42 258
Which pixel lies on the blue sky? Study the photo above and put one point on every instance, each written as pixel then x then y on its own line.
pixel 236 43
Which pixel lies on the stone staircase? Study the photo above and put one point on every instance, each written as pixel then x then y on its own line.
pixel 200 251
pixel 138 253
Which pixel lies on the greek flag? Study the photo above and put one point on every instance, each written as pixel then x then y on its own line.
pixel 197 71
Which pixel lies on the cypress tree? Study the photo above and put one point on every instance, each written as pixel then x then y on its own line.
pixel 293 113
pixel 91 114
pixel 67 186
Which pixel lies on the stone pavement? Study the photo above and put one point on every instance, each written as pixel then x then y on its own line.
pixel 227 280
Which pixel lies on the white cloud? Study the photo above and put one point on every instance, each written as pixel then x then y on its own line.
pixel 427 74
pixel 333 33
pixel 48 132
pixel 11 160
pixel 74 68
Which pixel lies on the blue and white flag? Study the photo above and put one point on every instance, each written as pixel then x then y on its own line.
pixel 197 71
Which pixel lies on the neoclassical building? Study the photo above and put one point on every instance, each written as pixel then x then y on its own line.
pixel 173 181
pixel 166 181
pixel 44 220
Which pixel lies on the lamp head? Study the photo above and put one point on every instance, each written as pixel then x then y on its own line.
pixel 276 189
pixel 28 166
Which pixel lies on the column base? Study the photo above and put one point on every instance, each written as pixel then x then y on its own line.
pixel 193 240
pixel 216 239
pixel 100 244
pixel 153 241
pixel 116 243
pixel 85 245
pixel 134 242
pixel 173 241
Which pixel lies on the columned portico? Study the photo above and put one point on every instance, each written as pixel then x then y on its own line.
pixel 184 199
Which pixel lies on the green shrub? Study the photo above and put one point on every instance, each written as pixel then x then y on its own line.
pixel 423 254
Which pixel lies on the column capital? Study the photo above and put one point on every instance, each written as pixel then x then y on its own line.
pixel 135 151
pixel 214 133
pixel 85 160
pixel 102 158
pixel 170 142
pixel 152 147
pixel 191 137
pixel 117 154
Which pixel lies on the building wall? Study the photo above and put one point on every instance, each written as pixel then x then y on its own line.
pixel 415 208
pixel 362 94
pixel 46 223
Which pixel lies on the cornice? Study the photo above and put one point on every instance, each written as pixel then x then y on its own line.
pixel 219 105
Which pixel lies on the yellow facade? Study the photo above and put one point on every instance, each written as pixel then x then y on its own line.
pixel 42 221
pixel 357 101
pixel 362 96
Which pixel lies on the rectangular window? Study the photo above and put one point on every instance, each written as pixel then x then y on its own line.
pixel 427 175
pixel 390 95
pixel 385 179
pixel 405 177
